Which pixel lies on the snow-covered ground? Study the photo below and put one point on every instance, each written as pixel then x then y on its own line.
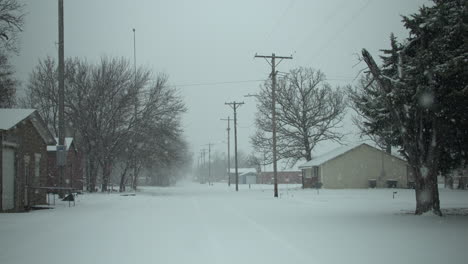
pixel 193 223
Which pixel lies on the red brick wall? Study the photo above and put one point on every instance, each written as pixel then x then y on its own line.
pixel 284 177
pixel 73 171
pixel 29 143
pixel 1 168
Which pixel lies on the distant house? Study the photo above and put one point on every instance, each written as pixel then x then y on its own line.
pixel 73 176
pixel 356 166
pixel 284 177
pixel 246 175
pixel 23 171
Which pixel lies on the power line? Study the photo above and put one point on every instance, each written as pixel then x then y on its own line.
pixel 144 92
pixel 333 78
pixel 216 83
pixel 334 12
pixel 318 52
pixel 291 4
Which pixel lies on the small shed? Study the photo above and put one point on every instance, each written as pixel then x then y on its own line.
pixel 23 159
pixel 246 175
pixel 356 166
pixel 73 176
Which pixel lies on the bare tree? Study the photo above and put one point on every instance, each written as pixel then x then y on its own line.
pixel 309 111
pixel 159 112
pixel 11 23
pixel 7 82
pixel 100 112
pixel 97 106
pixel 110 101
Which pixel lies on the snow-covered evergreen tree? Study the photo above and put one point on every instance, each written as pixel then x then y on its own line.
pixel 423 85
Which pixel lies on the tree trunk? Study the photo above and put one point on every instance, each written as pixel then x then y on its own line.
pixel 135 177
pixel 449 181
pixel 106 172
pixel 308 158
pixel 461 183
pixel 92 174
pixel 122 179
pixel 427 191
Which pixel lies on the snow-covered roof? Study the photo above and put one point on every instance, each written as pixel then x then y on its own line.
pixel 68 142
pixel 338 152
pixel 243 170
pixel 11 117
pixel 330 155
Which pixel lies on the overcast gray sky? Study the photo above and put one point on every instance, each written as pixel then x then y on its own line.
pixel 207 46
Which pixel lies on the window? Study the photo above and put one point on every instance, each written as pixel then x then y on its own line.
pixel 316 171
pixel 37 165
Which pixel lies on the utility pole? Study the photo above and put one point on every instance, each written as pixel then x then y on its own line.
pixel 228 146
pixel 61 95
pixel 209 163
pixel 234 106
pixel 135 180
pixel 198 168
pixel 273 65
pixel 203 151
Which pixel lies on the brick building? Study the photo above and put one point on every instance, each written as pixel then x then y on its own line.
pixel 23 159
pixel 73 176
pixel 284 177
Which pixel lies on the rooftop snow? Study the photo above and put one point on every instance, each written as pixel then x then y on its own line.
pixel 68 142
pixel 329 155
pixel 11 117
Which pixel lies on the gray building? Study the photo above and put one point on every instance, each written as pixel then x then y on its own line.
pixel 246 175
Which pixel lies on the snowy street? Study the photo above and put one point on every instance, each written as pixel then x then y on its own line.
pixel 193 223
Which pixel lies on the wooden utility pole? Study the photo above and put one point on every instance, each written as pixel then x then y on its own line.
pixel 273 65
pixel 203 151
pixel 228 149
pixel 234 106
pixel 198 167
pixel 209 163
pixel 135 114
pixel 61 97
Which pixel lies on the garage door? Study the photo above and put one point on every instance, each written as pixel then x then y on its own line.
pixel 8 181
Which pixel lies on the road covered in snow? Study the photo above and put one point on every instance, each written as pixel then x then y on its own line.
pixel 193 223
